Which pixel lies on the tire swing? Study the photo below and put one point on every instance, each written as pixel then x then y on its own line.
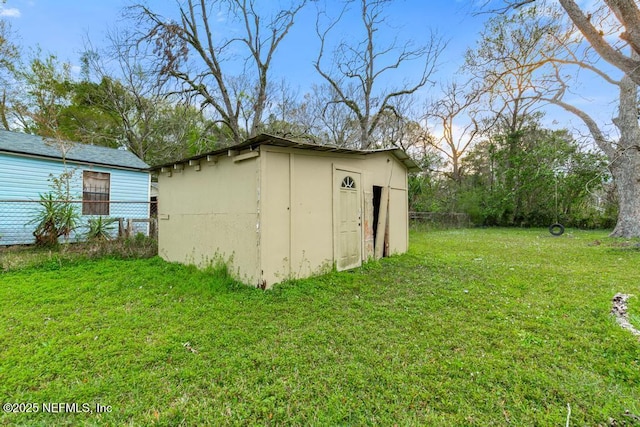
pixel 556 229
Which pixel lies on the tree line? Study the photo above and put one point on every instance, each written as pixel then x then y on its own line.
pixel 168 87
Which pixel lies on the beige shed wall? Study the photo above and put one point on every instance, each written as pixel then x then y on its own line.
pixel 398 221
pixel 275 211
pixel 297 210
pixel 297 220
pixel 386 171
pixel 212 213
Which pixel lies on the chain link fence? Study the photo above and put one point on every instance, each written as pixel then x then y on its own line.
pixel 438 220
pixel 19 219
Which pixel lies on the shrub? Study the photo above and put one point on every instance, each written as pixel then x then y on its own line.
pixel 100 228
pixel 56 218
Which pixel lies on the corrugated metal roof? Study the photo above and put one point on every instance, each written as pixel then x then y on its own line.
pixel 265 139
pixel 34 145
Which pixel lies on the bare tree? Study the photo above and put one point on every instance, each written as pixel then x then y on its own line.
pixel 312 117
pixel 359 67
pixel 504 64
pixel 337 123
pixel 229 74
pixel 626 19
pixel 289 116
pixel 400 126
pixel 455 115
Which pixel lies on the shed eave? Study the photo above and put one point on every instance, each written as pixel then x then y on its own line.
pixel 276 141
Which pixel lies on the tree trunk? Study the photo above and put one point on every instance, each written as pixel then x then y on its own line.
pixel 625 166
pixel 365 142
pixel 626 174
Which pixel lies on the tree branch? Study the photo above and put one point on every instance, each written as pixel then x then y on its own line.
pixel 596 39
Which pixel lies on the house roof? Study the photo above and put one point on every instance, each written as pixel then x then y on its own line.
pixel 34 145
pixel 265 139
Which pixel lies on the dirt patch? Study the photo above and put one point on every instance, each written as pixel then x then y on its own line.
pixel 619 310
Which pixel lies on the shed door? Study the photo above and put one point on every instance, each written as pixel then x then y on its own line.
pixel 348 220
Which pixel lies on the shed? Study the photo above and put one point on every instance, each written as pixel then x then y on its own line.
pixel 104 182
pixel 274 209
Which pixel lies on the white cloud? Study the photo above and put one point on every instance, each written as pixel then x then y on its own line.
pixel 11 12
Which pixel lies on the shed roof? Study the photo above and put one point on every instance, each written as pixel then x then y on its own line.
pixel 265 139
pixel 34 145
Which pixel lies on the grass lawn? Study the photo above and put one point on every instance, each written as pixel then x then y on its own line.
pixel 471 327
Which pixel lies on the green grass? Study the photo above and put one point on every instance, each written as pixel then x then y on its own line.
pixel 471 327
pixel 22 257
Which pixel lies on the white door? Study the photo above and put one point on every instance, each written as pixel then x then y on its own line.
pixel 348 215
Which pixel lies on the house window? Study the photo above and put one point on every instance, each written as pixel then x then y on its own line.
pixel 348 182
pixel 95 193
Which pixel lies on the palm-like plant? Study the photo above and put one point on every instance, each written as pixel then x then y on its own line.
pixel 99 228
pixel 56 218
